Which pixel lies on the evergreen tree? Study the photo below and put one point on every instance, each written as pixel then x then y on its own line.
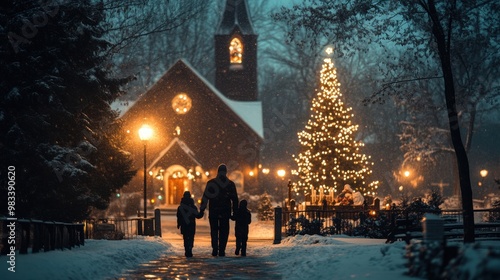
pixel 265 210
pixel 58 130
pixel 329 156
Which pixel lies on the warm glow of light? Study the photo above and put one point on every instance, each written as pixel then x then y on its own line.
pixel 145 132
pixel 251 174
pixel 406 173
pixel 265 170
pixel 330 156
pixel 236 51
pixel 281 173
pixel 483 173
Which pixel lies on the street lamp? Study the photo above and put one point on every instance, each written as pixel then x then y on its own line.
pixel 483 174
pixel 145 133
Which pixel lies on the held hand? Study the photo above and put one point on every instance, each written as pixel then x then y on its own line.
pixel 200 215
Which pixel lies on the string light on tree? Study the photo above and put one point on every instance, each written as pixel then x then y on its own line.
pixel 329 156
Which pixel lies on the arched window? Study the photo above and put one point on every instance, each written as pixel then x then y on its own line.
pixel 235 51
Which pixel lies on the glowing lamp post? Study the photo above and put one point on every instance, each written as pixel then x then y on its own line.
pixel 483 174
pixel 145 133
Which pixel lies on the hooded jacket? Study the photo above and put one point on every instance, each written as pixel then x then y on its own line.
pixel 187 213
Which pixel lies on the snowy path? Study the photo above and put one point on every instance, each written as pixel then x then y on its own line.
pixel 173 264
pixel 203 266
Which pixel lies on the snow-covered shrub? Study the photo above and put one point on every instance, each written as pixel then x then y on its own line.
pixel 469 261
pixel 374 227
pixel 302 226
pixel 425 259
pixel 494 216
pixel 474 262
pixel 434 200
pixel 415 210
pixel 340 226
pixel 265 210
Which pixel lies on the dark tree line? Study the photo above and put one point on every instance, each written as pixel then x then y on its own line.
pixel 58 131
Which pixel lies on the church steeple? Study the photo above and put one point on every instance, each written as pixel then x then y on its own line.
pixel 236 53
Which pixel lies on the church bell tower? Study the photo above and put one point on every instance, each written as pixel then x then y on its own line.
pixel 236 53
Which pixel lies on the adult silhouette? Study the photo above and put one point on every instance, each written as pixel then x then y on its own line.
pixel 222 199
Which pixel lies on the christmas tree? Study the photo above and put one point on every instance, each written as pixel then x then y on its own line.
pixel 329 156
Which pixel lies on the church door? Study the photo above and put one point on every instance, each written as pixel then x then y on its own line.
pixel 175 190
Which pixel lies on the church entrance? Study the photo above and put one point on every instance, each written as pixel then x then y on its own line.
pixel 175 190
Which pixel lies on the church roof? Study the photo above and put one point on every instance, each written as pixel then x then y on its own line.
pixel 235 15
pixel 181 145
pixel 249 111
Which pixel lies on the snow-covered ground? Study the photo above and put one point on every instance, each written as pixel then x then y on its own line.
pixel 299 257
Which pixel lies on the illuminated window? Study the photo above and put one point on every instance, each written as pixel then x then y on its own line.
pixel 181 103
pixel 236 51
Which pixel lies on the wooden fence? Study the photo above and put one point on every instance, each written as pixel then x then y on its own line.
pixel 23 234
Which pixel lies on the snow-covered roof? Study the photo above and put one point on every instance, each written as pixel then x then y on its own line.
pixel 249 111
pixel 181 144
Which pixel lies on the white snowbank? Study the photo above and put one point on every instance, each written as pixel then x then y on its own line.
pixel 98 259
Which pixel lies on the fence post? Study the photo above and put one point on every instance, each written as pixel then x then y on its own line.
pixel 139 223
pixel 157 222
pixel 278 217
pixel 37 236
pixel 25 235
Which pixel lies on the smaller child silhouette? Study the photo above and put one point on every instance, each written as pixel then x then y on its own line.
pixel 186 214
pixel 242 218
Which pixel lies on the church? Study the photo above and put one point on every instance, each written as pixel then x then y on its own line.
pixel 195 126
